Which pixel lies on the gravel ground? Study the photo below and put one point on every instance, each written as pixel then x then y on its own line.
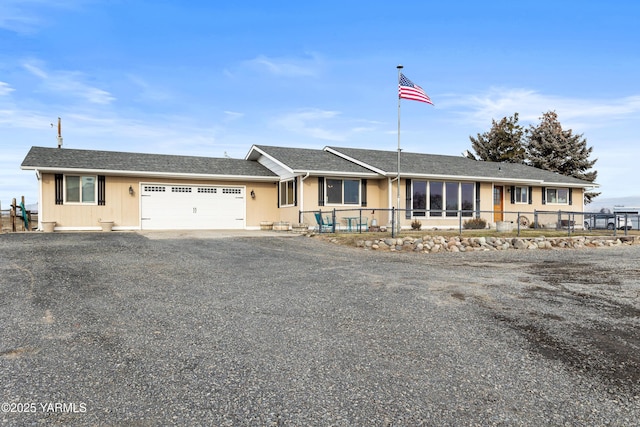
pixel 161 329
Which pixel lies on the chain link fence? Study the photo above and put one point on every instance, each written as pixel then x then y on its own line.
pixel 365 220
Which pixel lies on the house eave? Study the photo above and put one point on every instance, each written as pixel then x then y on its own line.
pixel 336 173
pixel 145 174
pixel 491 179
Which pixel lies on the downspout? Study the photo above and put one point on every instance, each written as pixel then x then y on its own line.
pixel 40 205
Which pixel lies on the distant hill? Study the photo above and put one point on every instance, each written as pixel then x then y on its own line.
pixel 611 202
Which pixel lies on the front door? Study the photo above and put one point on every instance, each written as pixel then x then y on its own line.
pixel 498 203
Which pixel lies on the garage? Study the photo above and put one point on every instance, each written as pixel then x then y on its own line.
pixel 191 207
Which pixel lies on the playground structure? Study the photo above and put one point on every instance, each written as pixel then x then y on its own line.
pixel 17 218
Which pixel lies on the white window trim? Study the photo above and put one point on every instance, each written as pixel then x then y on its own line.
pixel 520 202
pixel 326 191
pixel 293 202
pixel 548 202
pixel 95 191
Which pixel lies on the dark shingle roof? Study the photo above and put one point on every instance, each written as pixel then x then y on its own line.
pixel 455 166
pixel 65 158
pixel 305 159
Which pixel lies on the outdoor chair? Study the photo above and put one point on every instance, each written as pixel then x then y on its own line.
pixel 362 224
pixel 323 225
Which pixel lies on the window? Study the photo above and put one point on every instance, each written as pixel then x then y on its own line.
pixel 521 194
pixel 454 196
pixel 467 192
pixel 343 191
pixel 80 189
pixel 558 196
pixel 287 193
pixel 419 198
pixel 436 194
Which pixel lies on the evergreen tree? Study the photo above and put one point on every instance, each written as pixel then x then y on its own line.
pixel 503 143
pixel 551 148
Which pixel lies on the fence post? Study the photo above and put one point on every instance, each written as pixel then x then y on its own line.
pixel 626 223
pixel 518 221
pixel 360 221
pixel 535 219
pixel 12 215
pixel 320 223
pixel 393 221
pixel 460 222
pixel 333 220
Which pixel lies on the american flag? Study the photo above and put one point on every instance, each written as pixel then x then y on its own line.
pixel 409 90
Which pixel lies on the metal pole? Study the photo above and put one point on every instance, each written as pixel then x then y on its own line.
pixel 399 67
pixel 393 221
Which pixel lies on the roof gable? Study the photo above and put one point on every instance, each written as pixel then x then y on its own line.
pixel 301 160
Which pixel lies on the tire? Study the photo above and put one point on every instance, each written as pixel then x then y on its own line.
pixel 586 226
pixel 610 226
pixel 523 221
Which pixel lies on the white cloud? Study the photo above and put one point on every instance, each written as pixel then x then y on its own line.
pixel 70 83
pixel 323 124
pixel 5 89
pixel 148 91
pixel 288 67
pixel 497 103
pixel 27 16
pixel 232 115
pixel 311 123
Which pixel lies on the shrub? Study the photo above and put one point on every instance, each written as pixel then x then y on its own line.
pixel 416 225
pixel 474 224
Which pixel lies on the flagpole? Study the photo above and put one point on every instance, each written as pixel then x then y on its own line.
pixel 399 67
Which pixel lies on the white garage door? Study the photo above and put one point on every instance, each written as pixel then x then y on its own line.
pixel 191 207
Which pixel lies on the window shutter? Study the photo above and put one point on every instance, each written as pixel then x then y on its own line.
pixel 101 190
pixel 478 199
pixel 408 201
pixel 513 194
pixel 544 195
pixel 571 196
pixel 530 195
pixel 320 191
pixel 59 189
pixel 295 191
pixel 363 191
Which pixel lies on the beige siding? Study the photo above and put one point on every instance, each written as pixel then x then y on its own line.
pixel 124 209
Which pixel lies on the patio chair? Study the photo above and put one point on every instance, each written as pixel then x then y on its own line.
pixel 362 224
pixel 322 225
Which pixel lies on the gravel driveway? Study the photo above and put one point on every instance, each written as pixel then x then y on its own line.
pixel 124 328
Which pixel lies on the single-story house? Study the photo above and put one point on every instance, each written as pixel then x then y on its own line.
pixel 78 189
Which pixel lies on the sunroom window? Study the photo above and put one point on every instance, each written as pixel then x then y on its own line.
pixel 432 195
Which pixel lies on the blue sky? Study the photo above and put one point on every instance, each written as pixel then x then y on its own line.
pixel 212 78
